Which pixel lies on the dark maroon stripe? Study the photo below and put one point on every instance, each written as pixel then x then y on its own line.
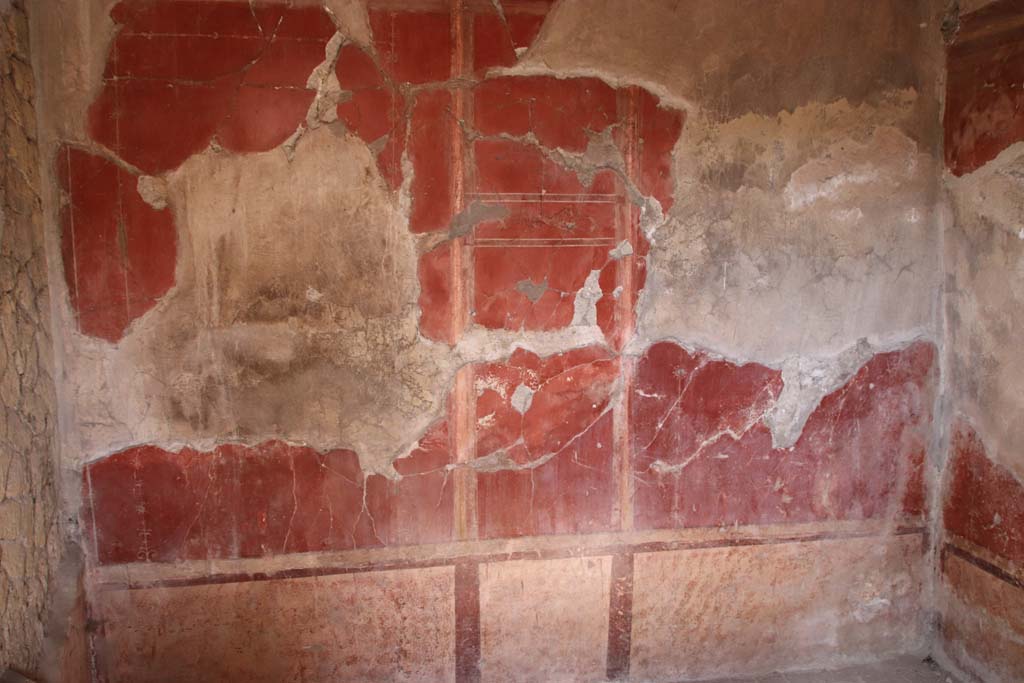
pixel 552 554
pixel 620 617
pixel 985 566
pixel 467 622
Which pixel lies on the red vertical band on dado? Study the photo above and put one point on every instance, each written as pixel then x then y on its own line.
pixel 467 622
pixel 620 617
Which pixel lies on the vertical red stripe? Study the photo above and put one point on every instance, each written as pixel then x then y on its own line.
pixel 467 622
pixel 620 617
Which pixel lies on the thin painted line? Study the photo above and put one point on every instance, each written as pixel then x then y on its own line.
pixel 984 565
pixel 482 558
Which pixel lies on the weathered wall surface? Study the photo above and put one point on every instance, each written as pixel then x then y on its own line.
pixel 983 583
pixel 469 314
pixel 28 502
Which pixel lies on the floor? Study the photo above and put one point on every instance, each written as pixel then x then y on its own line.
pixel 903 670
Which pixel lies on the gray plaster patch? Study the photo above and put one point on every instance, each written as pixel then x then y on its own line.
pixel 585 305
pixel 522 397
pixel 532 290
pixel 621 251
pixel 473 215
pixel 806 380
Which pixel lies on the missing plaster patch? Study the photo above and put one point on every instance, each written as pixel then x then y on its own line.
pixel 522 397
pixel 153 191
pixel 475 214
pixel 585 304
pixel 623 250
pixel 805 382
pixel 532 290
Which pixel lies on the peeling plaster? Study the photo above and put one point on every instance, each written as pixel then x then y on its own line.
pixel 805 382
pixel 738 269
pixel 757 196
pixel 985 259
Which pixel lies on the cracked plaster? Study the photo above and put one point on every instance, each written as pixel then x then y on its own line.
pixel 763 223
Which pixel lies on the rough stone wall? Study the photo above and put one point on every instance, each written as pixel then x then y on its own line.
pixel 28 504
pixel 375 307
pixel 983 493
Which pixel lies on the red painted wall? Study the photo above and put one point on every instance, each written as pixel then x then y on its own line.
pixel 590 461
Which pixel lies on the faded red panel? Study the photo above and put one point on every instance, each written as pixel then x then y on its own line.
pixel 570 494
pixel 156 126
pixel 422 501
pixel 371 114
pixel 174 71
pixel 119 252
pixel 869 434
pixel 308 23
pixel 696 438
pixel 531 288
pixel 586 218
pixel 984 502
pixel 366 626
pixel 263 118
pixel 297 500
pixel 181 57
pixel 142 508
pixel 534 195
pixel 659 129
pixel 508 166
pixel 356 70
pixel 981 620
pixel 915 499
pixel 984 99
pixel 550 418
pixel 492 42
pixel 430 149
pixel 561 113
pixel 495 41
pixel 435 302
pixel 286 63
pixel 196 17
pixel 373 111
pixel 414 47
pixel 704 457
pixel 148 504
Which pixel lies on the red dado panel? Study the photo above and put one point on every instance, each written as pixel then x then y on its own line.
pixel 984 502
pixel 147 504
pixel 118 251
pixel 704 457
